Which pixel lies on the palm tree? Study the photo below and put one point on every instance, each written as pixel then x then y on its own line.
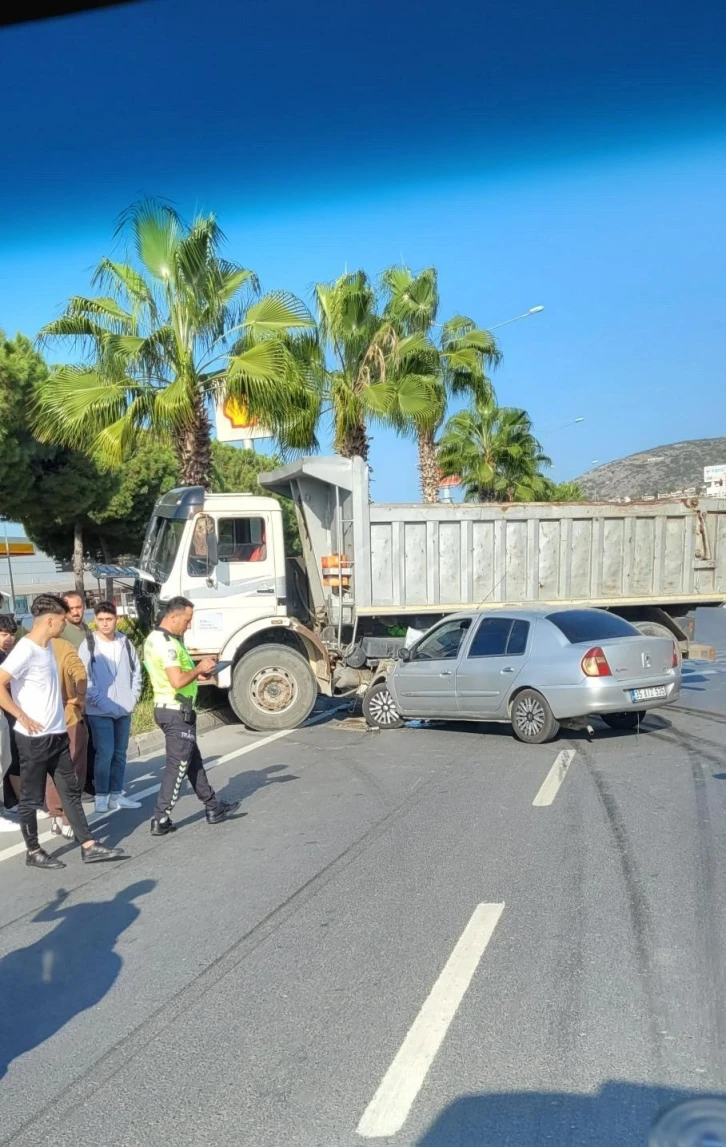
pixel 563 492
pixel 449 359
pixel 177 328
pixel 374 373
pixel 494 452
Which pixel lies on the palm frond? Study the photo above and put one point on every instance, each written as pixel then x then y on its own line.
pixel 174 404
pixel 125 280
pixel 275 313
pixel 156 230
pixel 74 327
pixel 108 310
pixel 75 403
pixel 412 300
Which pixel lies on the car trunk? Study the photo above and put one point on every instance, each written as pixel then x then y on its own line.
pixel 636 658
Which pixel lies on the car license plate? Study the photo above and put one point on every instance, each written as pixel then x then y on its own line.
pixel 648 694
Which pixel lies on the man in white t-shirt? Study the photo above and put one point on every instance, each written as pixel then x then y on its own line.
pixel 30 691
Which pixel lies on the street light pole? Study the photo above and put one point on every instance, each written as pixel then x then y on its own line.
pixel 564 426
pixel 531 311
pixel 10 568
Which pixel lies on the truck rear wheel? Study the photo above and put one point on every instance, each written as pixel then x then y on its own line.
pixel 273 688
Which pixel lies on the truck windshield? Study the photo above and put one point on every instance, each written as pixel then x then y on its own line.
pixel 161 547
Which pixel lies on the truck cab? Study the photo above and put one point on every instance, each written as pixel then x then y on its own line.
pixel 225 552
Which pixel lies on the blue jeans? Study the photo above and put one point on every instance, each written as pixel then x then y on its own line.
pixel 110 737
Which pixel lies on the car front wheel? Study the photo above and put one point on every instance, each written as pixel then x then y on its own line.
pixel 532 719
pixel 379 708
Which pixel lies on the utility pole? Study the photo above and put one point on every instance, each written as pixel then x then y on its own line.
pixel 10 568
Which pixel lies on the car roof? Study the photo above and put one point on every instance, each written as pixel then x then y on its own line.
pixel 528 613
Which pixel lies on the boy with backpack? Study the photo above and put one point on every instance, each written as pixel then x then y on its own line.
pixel 114 688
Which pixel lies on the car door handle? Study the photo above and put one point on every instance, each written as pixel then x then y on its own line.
pixel 445 673
pixel 509 669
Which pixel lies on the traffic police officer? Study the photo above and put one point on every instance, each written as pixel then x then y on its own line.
pixel 174 678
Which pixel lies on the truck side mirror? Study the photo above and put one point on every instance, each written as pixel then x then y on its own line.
pixel 212 551
pixel 404 654
pixel 203 555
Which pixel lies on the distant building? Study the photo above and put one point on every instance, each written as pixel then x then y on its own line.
pixel 714 478
pixel 33 572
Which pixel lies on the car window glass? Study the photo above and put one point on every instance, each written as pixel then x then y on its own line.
pixel 490 639
pixel 580 625
pixel 518 635
pixel 444 643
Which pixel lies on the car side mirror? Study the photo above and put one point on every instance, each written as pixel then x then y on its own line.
pixel 404 654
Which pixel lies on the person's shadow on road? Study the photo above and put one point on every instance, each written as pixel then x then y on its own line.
pixel 46 984
pixel 118 828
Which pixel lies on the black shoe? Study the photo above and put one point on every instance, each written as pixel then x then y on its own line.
pixel 98 852
pixel 223 810
pixel 162 825
pixel 42 859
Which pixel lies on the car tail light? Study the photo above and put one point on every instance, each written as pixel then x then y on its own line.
pixel 595 663
pixel 676 656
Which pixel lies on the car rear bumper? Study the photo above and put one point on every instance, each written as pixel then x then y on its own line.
pixel 607 696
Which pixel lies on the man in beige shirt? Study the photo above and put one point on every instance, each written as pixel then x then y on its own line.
pixel 74 683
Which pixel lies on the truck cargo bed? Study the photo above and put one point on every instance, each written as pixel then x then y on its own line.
pixel 416 559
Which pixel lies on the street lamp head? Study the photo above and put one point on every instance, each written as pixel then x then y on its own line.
pixel 535 310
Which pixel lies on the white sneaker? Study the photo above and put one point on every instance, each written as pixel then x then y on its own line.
pixel 102 804
pixel 67 832
pixel 118 800
pixel 42 814
pixel 8 825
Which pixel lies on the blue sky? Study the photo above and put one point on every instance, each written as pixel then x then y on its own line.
pixel 571 155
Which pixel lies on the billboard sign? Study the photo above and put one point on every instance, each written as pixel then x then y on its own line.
pixel 234 423
pixel 715 479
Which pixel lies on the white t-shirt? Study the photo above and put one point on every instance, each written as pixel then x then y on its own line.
pixel 35 686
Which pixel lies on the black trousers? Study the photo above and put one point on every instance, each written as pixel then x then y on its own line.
pixel 42 757
pixel 182 759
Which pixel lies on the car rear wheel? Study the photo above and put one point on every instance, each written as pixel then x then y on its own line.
pixel 622 720
pixel 532 719
pixel 379 708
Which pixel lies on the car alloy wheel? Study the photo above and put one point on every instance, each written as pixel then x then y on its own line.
pixel 530 717
pixel 382 709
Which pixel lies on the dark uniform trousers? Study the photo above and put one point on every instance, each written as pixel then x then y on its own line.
pixel 42 757
pixel 182 759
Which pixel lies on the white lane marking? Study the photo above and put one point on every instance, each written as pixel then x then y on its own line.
pixel 93 818
pixel 554 778
pixel 388 1110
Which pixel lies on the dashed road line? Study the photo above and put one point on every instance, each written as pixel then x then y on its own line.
pixel 551 784
pixel 388 1110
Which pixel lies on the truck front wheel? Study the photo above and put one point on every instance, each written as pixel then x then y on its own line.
pixel 273 688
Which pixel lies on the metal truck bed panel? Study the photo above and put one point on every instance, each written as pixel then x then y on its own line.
pixel 420 556
pixel 409 558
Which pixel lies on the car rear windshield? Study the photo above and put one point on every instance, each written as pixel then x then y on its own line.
pixel 580 625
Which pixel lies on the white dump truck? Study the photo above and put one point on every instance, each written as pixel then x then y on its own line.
pixel 332 620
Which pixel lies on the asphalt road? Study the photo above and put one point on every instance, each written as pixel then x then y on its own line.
pixel 433 937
